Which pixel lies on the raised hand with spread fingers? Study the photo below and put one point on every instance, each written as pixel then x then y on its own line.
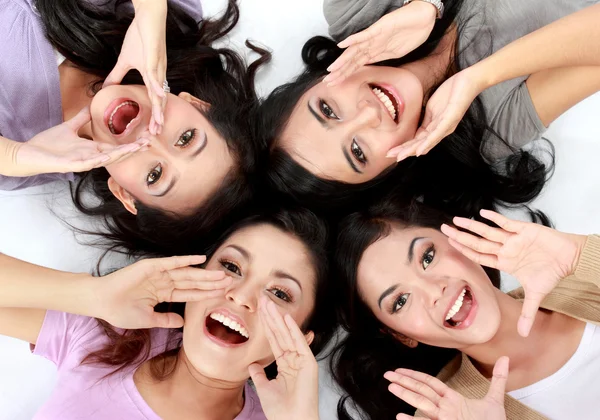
pixel 437 401
pixel 294 394
pixel 393 36
pixel 538 256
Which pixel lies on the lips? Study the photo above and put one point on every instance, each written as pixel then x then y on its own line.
pixel 390 99
pixel 226 329
pixel 120 115
pixel 462 311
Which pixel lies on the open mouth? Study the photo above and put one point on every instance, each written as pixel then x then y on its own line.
pixel 388 99
pixel 226 330
pixel 120 115
pixel 460 310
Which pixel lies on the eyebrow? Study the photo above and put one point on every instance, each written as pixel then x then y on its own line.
pixel 350 160
pixel 411 248
pixel 317 116
pixel 283 275
pixel 166 191
pixel 241 250
pixel 386 293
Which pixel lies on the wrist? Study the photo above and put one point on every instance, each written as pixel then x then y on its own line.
pixel 433 9
pixel 8 156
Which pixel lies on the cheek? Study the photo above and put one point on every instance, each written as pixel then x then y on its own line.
pixel 129 174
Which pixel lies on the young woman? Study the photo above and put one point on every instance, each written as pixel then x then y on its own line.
pixel 422 298
pixel 198 157
pixel 266 275
pixel 332 141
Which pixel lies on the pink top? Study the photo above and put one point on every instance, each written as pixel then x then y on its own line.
pixel 82 392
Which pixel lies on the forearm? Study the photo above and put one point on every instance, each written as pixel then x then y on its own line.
pixel 8 156
pixel 573 40
pixel 157 3
pixel 25 285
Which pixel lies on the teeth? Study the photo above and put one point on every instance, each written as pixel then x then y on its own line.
pixel 110 120
pixel 385 101
pixel 457 305
pixel 230 323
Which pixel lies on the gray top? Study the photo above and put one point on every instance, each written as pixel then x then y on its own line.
pixel 485 27
pixel 30 100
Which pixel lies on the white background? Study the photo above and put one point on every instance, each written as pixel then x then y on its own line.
pixel 30 229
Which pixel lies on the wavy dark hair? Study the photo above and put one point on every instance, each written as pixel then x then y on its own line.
pixel 368 349
pixel 132 347
pixel 454 175
pixel 91 37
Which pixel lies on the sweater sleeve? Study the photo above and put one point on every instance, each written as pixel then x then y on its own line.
pixel 588 267
pixel 349 17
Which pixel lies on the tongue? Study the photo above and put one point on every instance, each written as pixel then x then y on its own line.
pixel 464 310
pixel 123 116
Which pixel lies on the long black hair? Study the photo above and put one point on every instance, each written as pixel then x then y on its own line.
pixel 132 347
pixel 369 349
pixel 454 175
pixel 91 37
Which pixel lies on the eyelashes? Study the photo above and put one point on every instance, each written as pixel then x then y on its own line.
pixel 357 152
pixel 154 175
pixel 427 258
pixel 186 138
pixel 327 111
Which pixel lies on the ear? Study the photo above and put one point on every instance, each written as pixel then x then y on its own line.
pixel 123 196
pixel 198 103
pixel 310 337
pixel 407 341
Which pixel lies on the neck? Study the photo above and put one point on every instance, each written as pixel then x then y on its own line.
pixel 74 92
pixel 189 394
pixel 434 69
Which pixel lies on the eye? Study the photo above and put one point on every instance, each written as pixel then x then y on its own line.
pixel 154 175
pixel 357 152
pixel 327 111
pixel 427 257
pixel 186 138
pixel 399 302
pixel 281 294
pixel 230 266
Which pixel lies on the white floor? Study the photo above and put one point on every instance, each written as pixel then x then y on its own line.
pixel 30 230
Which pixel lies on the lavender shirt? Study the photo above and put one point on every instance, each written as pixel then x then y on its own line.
pixel 83 392
pixel 30 100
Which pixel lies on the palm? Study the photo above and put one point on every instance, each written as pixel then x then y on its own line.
pixel 470 409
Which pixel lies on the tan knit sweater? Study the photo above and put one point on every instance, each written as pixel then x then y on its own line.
pixel 577 296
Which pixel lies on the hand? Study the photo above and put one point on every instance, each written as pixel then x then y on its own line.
pixel 438 402
pixel 60 149
pixel 127 297
pixel 539 257
pixel 294 394
pixel 393 36
pixel 444 111
pixel 144 49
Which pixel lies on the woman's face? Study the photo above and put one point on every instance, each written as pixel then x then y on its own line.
pixel 182 166
pixel 419 286
pixel 263 261
pixel 344 132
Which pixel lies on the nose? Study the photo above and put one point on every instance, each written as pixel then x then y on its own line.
pixel 243 296
pixel 434 289
pixel 368 115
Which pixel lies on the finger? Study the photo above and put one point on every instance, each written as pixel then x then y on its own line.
pixel 193 295
pixel 165 320
pixel 258 376
pixel 505 223
pixel 116 75
pixel 481 259
pixel 279 328
pixel 82 118
pixel 443 129
pixel 531 305
pixel 120 153
pixel 273 343
pixel 356 38
pixel 193 274
pixel 171 263
pixel 498 385
pixel 408 151
pixel 393 152
pixel 89 164
pixel 481 245
pixel 434 383
pixel 488 232
pixel 407 417
pixel 357 60
pixel 342 60
pixel 207 285
pixel 298 337
pixel 414 385
pixel 416 400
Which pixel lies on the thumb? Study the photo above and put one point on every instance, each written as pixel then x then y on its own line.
pixel 82 118
pixel 166 320
pixel 531 304
pixel 498 386
pixel 258 376
pixel 116 75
